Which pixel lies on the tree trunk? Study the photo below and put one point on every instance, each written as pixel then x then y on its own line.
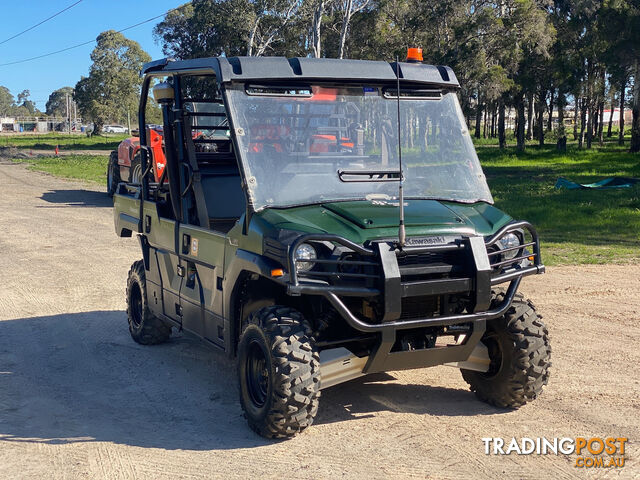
pixel 484 124
pixel 590 123
pixel 623 90
pixel 501 134
pixel 601 123
pixel 252 37
pixel 346 19
pixel 540 112
pixel 635 123
pixel 612 110
pixel 575 116
pixel 583 121
pixel 520 133
pixel 478 117
pixel 562 137
pixel 494 116
pixel 530 116
pixel 550 124
pixel 317 28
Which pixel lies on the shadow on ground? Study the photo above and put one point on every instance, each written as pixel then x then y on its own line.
pixel 77 198
pixel 80 378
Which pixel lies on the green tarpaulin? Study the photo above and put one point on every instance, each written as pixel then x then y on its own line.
pixel 611 182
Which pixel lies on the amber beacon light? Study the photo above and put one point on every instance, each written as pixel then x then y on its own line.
pixel 414 55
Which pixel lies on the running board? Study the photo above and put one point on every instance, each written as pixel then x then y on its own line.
pixel 338 365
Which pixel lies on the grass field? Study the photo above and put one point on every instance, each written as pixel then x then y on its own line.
pixel 576 226
pixel 64 141
pixel 92 168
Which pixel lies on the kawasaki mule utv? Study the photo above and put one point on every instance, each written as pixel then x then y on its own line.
pixel 324 219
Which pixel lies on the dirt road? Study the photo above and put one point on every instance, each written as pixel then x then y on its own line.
pixel 79 399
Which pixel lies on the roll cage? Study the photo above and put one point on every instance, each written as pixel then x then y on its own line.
pixel 264 70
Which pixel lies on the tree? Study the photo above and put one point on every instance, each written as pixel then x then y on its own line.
pixel 349 8
pixel 112 88
pixel 57 103
pixel 7 102
pixel 270 19
pixel 25 107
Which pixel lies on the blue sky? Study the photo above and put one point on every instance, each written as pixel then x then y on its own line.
pixel 77 25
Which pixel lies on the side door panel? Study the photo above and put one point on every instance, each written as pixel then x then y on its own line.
pixel 202 252
pixel 160 233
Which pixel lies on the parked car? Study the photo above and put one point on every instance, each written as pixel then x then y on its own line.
pixel 114 129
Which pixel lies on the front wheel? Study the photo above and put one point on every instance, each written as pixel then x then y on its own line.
pixel 279 372
pixel 520 355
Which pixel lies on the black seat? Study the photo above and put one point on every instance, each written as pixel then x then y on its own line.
pixel 224 197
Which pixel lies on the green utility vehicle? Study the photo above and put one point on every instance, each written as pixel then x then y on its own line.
pixel 321 220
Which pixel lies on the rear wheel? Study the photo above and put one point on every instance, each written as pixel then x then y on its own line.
pixel 144 327
pixel 279 372
pixel 113 174
pixel 520 355
pixel 135 176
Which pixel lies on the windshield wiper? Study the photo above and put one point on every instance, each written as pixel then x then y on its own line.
pixel 372 175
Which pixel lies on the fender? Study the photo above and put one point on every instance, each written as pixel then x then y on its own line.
pixel 243 263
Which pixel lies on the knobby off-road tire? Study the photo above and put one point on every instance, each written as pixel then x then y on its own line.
pixel 113 174
pixel 279 372
pixel 520 353
pixel 144 326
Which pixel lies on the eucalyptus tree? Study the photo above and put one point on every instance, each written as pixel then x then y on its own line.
pixel 112 89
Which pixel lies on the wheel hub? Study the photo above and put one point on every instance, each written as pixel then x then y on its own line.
pixel 492 343
pixel 257 374
pixel 135 304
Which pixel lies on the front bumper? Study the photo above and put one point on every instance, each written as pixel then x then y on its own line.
pixel 481 276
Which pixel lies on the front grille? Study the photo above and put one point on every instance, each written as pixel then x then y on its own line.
pixel 348 267
pixel 431 265
pixel 420 307
pixel 413 259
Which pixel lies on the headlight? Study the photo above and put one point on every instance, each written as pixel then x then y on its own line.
pixel 510 240
pixel 305 252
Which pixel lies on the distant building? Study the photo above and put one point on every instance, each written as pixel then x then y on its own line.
pixel 628 116
pixel 9 124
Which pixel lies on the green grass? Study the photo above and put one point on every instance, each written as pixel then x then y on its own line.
pixel 83 167
pixel 575 226
pixel 65 141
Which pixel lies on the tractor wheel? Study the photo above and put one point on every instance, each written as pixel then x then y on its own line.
pixel 113 174
pixel 520 353
pixel 279 372
pixel 135 175
pixel 144 326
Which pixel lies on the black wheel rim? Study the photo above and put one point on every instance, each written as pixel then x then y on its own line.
pixel 492 342
pixel 135 305
pixel 257 374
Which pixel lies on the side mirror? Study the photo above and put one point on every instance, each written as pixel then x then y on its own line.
pixel 163 93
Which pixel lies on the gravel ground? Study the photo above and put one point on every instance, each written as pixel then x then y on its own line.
pixel 79 399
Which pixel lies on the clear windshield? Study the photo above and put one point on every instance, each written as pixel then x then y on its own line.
pixel 317 144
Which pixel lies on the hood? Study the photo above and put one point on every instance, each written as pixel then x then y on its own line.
pixel 364 220
pixel 382 214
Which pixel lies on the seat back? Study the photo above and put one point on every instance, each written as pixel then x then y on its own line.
pixel 223 192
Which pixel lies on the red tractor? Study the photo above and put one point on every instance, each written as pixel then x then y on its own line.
pixel 125 164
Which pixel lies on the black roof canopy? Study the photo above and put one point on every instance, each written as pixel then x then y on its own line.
pixel 281 69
